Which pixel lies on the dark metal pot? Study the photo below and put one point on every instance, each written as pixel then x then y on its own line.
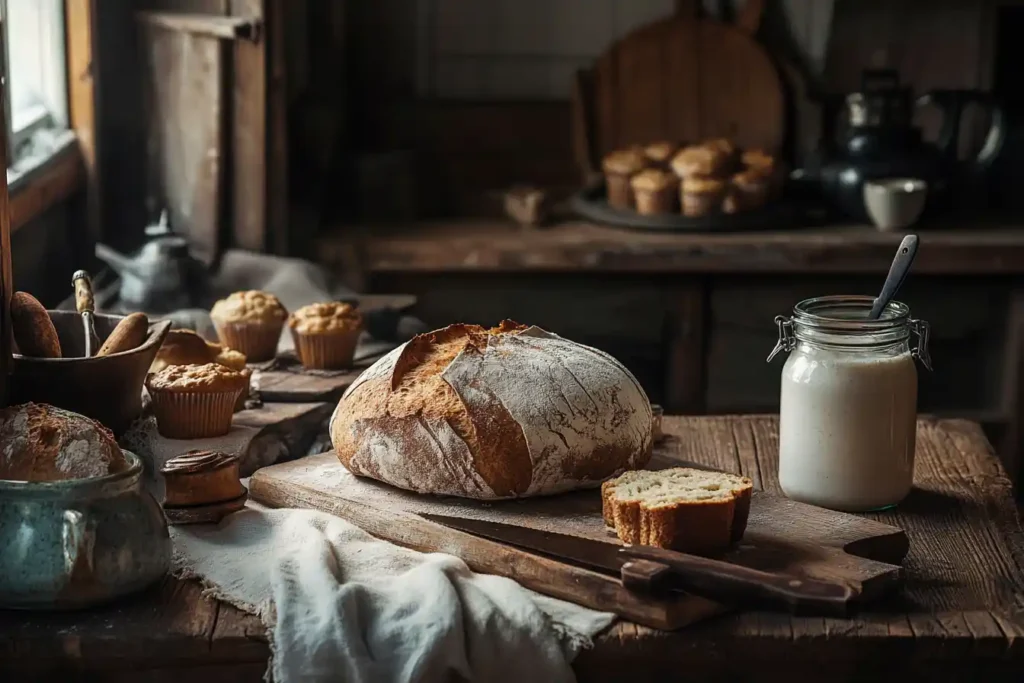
pixel 107 389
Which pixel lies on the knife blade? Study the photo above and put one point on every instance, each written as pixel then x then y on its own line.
pixel 646 567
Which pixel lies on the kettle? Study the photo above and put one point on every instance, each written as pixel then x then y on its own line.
pixel 162 276
pixel 881 141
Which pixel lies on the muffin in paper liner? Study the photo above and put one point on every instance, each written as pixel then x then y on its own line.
pixel 243 395
pixel 332 350
pixel 193 415
pixel 257 340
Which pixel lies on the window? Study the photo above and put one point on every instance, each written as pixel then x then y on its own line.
pixel 35 83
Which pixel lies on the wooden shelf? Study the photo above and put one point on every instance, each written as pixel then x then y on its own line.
pixel 480 246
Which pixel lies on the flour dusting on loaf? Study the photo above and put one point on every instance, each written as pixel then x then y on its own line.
pixel 501 413
pixel 44 443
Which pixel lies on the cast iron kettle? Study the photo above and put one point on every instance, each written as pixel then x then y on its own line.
pixel 880 141
pixel 163 276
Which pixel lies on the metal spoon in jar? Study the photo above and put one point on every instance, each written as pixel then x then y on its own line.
pixel 897 274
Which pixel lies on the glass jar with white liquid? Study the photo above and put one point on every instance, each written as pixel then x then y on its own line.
pixel 848 412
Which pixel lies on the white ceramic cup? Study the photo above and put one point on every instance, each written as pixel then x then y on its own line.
pixel 895 203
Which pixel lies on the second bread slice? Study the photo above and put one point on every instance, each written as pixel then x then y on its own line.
pixel 682 509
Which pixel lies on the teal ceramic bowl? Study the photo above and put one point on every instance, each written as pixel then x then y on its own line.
pixel 79 543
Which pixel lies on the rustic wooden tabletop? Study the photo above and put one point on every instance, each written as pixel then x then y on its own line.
pixel 959 616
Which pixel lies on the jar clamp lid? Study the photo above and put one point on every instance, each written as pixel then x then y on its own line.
pixel 841 321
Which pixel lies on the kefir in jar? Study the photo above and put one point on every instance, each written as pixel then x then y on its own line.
pixel 848 412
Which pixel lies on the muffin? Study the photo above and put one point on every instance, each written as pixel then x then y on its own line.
pixel 655 191
pixel 727 149
pixel 700 196
pixel 659 154
pixel 184 347
pixel 236 360
pixel 757 159
pixel 250 322
pixel 619 169
pixel 195 401
pixel 747 190
pixel 765 164
pixel 325 334
pixel 700 160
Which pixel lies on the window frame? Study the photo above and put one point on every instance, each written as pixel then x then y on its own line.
pixel 42 182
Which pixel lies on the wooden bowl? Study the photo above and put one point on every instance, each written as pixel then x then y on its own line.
pixel 107 389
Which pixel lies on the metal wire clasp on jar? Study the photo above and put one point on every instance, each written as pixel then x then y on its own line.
pixel 848 410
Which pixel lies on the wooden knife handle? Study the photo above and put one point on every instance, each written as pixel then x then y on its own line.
pixel 84 300
pixel 734 584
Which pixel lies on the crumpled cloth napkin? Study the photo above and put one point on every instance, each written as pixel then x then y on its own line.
pixel 341 605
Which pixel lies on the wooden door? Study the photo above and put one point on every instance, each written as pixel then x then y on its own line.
pixel 217 132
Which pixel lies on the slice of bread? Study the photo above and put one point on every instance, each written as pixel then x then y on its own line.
pixel 682 509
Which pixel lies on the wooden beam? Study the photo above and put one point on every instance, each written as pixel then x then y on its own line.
pixel 227 28
pixel 57 182
pixel 6 276
pixel 79 31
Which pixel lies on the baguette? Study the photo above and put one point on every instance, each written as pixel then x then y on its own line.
pixel 682 509
pixel 34 333
pixel 129 334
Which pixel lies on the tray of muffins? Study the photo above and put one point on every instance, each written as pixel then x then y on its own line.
pixel 710 185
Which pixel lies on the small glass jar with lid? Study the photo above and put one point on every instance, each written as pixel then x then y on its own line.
pixel 848 410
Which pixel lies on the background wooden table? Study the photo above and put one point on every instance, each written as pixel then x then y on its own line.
pixel 959 617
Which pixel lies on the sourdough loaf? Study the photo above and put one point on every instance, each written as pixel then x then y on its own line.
pixel 501 413
pixel 682 508
pixel 43 443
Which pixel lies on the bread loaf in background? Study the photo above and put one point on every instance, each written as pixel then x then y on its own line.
pixel 502 413
pixel 34 333
pixel 129 334
pixel 43 443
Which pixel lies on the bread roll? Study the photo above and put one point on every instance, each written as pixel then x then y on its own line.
pixel 502 413
pixel 184 347
pixel 129 334
pixel 44 443
pixel 33 330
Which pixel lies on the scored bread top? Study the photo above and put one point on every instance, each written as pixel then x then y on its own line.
pixel 499 413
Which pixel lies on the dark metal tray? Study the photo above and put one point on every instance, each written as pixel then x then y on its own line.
pixel 592 204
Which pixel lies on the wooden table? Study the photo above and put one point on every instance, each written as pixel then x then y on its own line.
pixel 959 617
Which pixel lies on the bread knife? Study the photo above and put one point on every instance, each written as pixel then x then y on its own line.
pixel 646 568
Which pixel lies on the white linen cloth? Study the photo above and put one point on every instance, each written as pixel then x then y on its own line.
pixel 343 606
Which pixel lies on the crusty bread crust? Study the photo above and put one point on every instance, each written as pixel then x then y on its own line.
pixel 129 334
pixel 664 509
pixel 42 443
pixel 501 413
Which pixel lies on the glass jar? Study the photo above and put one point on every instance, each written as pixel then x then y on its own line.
pixel 848 411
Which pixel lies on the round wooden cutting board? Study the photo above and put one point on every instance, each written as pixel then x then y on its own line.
pixel 688 79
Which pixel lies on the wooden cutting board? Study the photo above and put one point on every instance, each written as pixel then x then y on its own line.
pixel 684 79
pixel 284 380
pixel 782 536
